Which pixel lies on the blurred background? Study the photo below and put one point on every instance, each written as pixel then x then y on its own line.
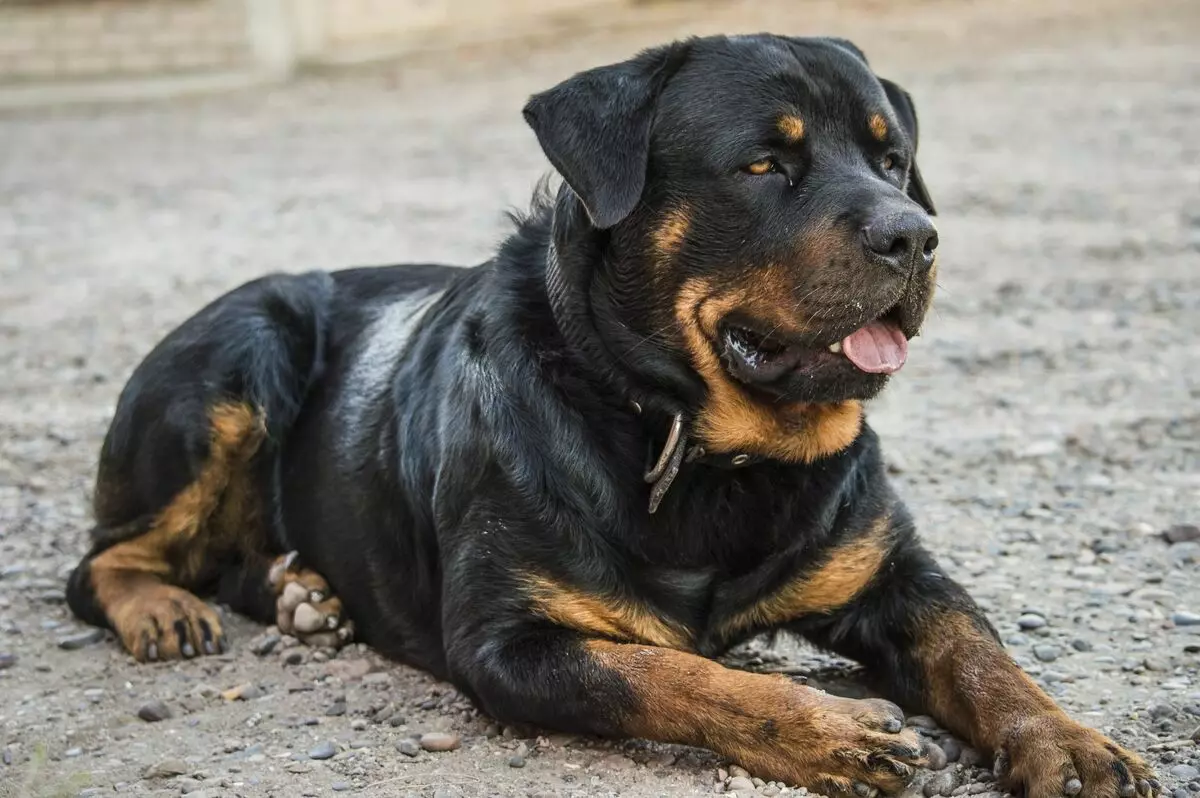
pixel 1046 429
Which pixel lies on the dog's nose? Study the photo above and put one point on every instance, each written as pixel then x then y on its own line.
pixel 903 241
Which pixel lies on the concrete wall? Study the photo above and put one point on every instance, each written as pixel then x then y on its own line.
pixel 41 41
pixel 157 47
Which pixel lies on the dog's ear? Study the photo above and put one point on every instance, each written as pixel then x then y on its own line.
pixel 595 129
pixel 906 112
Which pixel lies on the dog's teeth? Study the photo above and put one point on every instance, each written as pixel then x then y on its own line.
pixel 835 347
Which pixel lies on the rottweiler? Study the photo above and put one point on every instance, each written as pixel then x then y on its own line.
pixel 567 479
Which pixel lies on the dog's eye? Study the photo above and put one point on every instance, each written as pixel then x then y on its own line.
pixel 763 167
pixel 889 162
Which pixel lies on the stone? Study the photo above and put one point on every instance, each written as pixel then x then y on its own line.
pixel 408 747
pixel 324 750
pixel 739 784
pixel 1184 772
pixel 935 756
pixel 516 761
pixel 7 660
pixel 1046 652
pixel 1183 618
pixel 166 769
pixel 942 783
pixel 81 640
pixel 265 644
pixel 243 692
pixel 154 711
pixel 440 741
pixel 1182 533
pixel 923 722
pixel 953 749
pixel 1030 621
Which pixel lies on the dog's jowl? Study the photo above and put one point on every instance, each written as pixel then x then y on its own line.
pixel 568 478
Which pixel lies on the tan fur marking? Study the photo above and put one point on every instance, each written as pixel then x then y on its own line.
pixel 846 573
pixel 976 690
pixel 132 576
pixel 879 127
pixel 768 724
pixel 617 619
pixel 731 421
pixel 671 232
pixel 792 127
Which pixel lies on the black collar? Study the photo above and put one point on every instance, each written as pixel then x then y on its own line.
pixel 675 451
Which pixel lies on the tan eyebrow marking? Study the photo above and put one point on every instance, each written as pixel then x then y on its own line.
pixel 878 125
pixel 792 127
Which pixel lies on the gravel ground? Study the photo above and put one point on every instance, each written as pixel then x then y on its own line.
pixel 1046 431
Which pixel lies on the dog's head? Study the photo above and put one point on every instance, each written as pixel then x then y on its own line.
pixel 764 229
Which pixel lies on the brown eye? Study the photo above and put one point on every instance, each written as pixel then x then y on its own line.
pixel 889 162
pixel 765 166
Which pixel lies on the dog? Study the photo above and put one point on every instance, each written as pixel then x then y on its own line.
pixel 569 478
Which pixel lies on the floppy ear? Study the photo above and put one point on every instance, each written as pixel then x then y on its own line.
pixel 906 112
pixel 595 129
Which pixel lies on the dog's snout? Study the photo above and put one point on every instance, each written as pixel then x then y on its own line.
pixel 903 241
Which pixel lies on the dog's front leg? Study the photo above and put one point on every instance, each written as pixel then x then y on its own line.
pixel 777 729
pixel 930 647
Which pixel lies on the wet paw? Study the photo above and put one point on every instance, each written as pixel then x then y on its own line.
pixel 163 622
pixel 305 606
pixel 1049 756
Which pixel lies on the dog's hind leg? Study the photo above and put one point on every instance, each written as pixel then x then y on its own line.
pixel 135 579
pixel 183 489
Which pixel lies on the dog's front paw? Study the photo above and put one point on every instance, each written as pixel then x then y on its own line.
pixel 1048 756
pixel 305 606
pixel 848 747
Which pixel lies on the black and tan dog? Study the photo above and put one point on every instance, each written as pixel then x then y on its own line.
pixel 566 479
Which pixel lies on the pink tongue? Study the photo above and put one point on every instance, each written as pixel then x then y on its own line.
pixel 878 348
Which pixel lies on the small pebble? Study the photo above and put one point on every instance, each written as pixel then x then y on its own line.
pixel 1030 621
pixel 1182 618
pixel 1181 793
pixel 1182 533
pixel 1079 644
pixel 440 741
pixel 81 640
pixel 736 771
pixel 941 784
pixel 1184 772
pixel 969 757
pixel 7 660
pixel 325 750
pixel 739 784
pixel 243 692
pixel 265 645
pixel 923 722
pixel 516 761
pixel 935 756
pixel 1046 652
pixel 340 786
pixel 336 709
pixel 408 747
pixel 154 711
pixel 953 749
pixel 166 769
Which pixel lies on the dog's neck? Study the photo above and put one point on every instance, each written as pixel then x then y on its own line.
pixel 567 288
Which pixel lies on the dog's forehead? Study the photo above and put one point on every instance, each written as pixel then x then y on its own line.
pixel 740 83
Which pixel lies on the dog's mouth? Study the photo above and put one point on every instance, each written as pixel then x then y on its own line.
pixel 758 357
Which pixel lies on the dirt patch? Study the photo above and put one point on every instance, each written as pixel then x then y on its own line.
pixel 1046 431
